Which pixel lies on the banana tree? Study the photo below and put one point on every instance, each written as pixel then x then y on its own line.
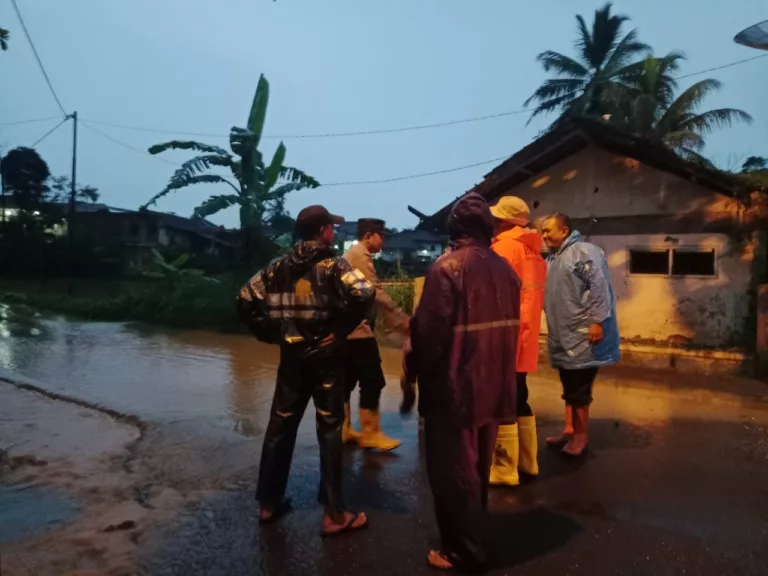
pixel 173 271
pixel 256 185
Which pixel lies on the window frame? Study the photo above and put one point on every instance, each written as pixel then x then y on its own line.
pixel 666 249
pixel 670 250
pixel 706 250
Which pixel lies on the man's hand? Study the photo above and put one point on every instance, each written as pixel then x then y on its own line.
pixel 595 333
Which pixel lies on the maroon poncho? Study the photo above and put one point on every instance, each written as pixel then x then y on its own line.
pixel 464 333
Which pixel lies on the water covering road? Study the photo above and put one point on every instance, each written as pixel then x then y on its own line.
pixel 675 482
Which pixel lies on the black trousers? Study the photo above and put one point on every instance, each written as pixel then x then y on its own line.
pixel 304 374
pixel 458 467
pixel 363 365
pixel 577 386
pixel 523 408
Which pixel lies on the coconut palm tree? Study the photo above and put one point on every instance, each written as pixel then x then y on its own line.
pixel 256 184
pixel 647 105
pixel 603 54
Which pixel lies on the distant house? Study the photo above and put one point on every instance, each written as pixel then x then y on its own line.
pixel 686 244
pixel 141 231
pixel 406 246
pixel 413 246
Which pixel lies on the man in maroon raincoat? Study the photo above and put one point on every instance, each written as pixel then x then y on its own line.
pixel 463 338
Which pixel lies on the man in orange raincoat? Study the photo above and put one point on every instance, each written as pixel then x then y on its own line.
pixel 516 443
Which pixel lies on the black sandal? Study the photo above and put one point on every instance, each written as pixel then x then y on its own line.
pixel 347 528
pixel 282 509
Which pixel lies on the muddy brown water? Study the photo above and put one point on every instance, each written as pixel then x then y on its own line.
pixel 160 375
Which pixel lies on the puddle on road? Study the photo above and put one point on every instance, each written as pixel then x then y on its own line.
pixel 29 510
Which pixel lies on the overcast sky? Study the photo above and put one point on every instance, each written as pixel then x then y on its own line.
pixel 334 66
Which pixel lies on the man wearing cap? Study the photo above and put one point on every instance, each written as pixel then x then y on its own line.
pixel 363 363
pixel 516 443
pixel 307 303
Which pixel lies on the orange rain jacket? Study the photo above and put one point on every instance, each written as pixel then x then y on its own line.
pixel 521 248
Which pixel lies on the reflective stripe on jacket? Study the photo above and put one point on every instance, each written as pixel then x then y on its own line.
pixel 305 297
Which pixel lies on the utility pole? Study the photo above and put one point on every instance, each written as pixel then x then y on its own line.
pixel 72 205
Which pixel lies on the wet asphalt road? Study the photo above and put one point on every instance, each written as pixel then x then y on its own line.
pixel 674 484
pixel 676 481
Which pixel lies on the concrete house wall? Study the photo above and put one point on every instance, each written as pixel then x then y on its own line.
pixel 596 184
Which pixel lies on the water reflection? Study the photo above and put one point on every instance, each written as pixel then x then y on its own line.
pixel 162 375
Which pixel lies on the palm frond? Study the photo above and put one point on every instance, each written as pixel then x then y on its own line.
pixel 584 41
pixel 598 43
pixel 687 102
pixel 556 87
pixel 683 139
pixel 706 122
pixel 186 179
pixel 272 173
pixel 187 145
pixel 216 204
pixel 297 176
pixel 258 113
pixel 625 50
pixel 4 37
pixel 694 156
pixel 561 64
pixel 564 103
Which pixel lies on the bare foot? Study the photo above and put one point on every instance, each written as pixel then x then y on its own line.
pixel 437 559
pixel 349 523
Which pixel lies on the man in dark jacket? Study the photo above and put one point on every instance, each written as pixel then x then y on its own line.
pixel 307 302
pixel 461 336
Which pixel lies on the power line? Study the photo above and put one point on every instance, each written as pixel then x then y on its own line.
pixel 422 175
pixel 391 130
pixel 51 131
pixel 358 183
pixel 127 146
pixel 319 135
pixel 17 122
pixel 37 56
pixel 364 132
pixel 721 67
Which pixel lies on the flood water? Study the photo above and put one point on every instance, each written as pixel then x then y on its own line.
pixel 164 376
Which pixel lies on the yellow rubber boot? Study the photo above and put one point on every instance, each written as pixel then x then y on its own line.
pixel 529 445
pixel 348 434
pixel 505 457
pixel 373 437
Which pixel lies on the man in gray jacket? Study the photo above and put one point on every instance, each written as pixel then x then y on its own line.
pixel 363 362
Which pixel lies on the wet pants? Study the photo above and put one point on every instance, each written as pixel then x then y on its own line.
pixel 577 385
pixel 363 365
pixel 458 467
pixel 302 375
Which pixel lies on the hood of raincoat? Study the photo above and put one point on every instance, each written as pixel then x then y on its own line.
pixel 306 254
pixel 470 219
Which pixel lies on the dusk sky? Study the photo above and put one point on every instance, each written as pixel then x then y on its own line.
pixel 333 66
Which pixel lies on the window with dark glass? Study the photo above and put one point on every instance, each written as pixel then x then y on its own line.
pixel 649 262
pixel 693 262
